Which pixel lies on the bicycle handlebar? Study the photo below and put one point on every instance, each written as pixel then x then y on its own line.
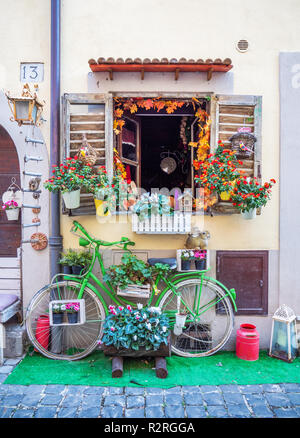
pixel 124 241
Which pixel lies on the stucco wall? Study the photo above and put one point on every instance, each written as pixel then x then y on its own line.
pixel 164 28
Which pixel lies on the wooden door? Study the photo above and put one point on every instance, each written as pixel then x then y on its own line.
pixel 10 231
pixel 247 272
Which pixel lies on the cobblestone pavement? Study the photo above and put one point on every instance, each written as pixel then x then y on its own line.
pixel 70 401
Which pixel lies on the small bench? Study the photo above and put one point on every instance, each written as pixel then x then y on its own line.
pixel 10 305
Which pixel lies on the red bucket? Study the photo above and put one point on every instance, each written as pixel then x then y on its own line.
pixel 247 342
pixel 42 331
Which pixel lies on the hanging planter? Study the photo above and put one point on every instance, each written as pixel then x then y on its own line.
pixel 12 214
pixel 251 214
pixel 72 199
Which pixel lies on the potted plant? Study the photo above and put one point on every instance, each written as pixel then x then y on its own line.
pixel 75 261
pixel 58 313
pixel 186 258
pixel 180 321
pixel 135 330
pixel 12 210
pixel 72 310
pixel 249 194
pixel 152 204
pixel 218 172
pixel 200 259
pixel 68 178
pixel 133 271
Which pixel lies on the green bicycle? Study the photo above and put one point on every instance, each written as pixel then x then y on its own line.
pixel 207 304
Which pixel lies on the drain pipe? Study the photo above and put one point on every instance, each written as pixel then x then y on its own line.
pixel 55 240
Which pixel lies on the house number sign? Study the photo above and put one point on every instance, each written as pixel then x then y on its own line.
pixel 31 72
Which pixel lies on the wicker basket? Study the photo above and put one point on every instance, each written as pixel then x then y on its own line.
pixel 86 153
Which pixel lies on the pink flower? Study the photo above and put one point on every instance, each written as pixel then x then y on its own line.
pixel 129 308
pixel 120 308
pixel 112 329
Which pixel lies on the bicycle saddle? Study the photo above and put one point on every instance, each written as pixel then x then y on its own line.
pixel 168 261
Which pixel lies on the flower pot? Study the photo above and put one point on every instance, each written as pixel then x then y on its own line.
pixel 12 214
pixel 200 264
pixel 72 318
pixel 72 199
pixel 225 196
pixel 57 318
pixel 185 265
pixel 101 208
pixel 251 214
pixel 77 269
pixel 180 319
pixel 67 269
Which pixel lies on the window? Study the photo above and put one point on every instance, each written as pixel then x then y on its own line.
pixel 149 144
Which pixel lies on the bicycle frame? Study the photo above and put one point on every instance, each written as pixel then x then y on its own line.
pixel 170 283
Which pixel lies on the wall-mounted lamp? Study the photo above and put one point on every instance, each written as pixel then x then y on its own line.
pixel 27 109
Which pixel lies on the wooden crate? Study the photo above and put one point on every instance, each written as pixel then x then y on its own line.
pixel 135 290
pixel 179 223
pixel 178 257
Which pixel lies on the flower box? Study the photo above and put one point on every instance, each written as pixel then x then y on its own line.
pixel 135 290
pixel 178 223
pixel 193 266
pixel 163 351
pixel 64 320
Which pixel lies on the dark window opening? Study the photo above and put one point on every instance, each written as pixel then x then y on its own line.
pixel 165 160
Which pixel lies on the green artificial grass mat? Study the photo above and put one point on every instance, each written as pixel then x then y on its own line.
pixel 95 370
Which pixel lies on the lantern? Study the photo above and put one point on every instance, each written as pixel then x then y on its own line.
pixel 27 109
pixel 283 344
pixel 242 142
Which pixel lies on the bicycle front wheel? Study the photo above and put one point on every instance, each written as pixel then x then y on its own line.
pixel 209 321
pixel 69 341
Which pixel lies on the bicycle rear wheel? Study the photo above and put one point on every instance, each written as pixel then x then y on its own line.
pixel 67 342
pixel 207 330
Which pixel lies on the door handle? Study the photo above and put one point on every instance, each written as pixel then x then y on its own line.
pixel 261 283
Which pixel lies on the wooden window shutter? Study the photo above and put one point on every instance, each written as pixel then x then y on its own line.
pixel 229 113
pixel 91 115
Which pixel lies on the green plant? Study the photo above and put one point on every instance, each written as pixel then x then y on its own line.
pixel 151 204
pixel 187 254
pixel 249 193
pixel 128 328
pixel 58 308
pixel 218 171
pixel 73 257
pixel 134 271
pixel 68 176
